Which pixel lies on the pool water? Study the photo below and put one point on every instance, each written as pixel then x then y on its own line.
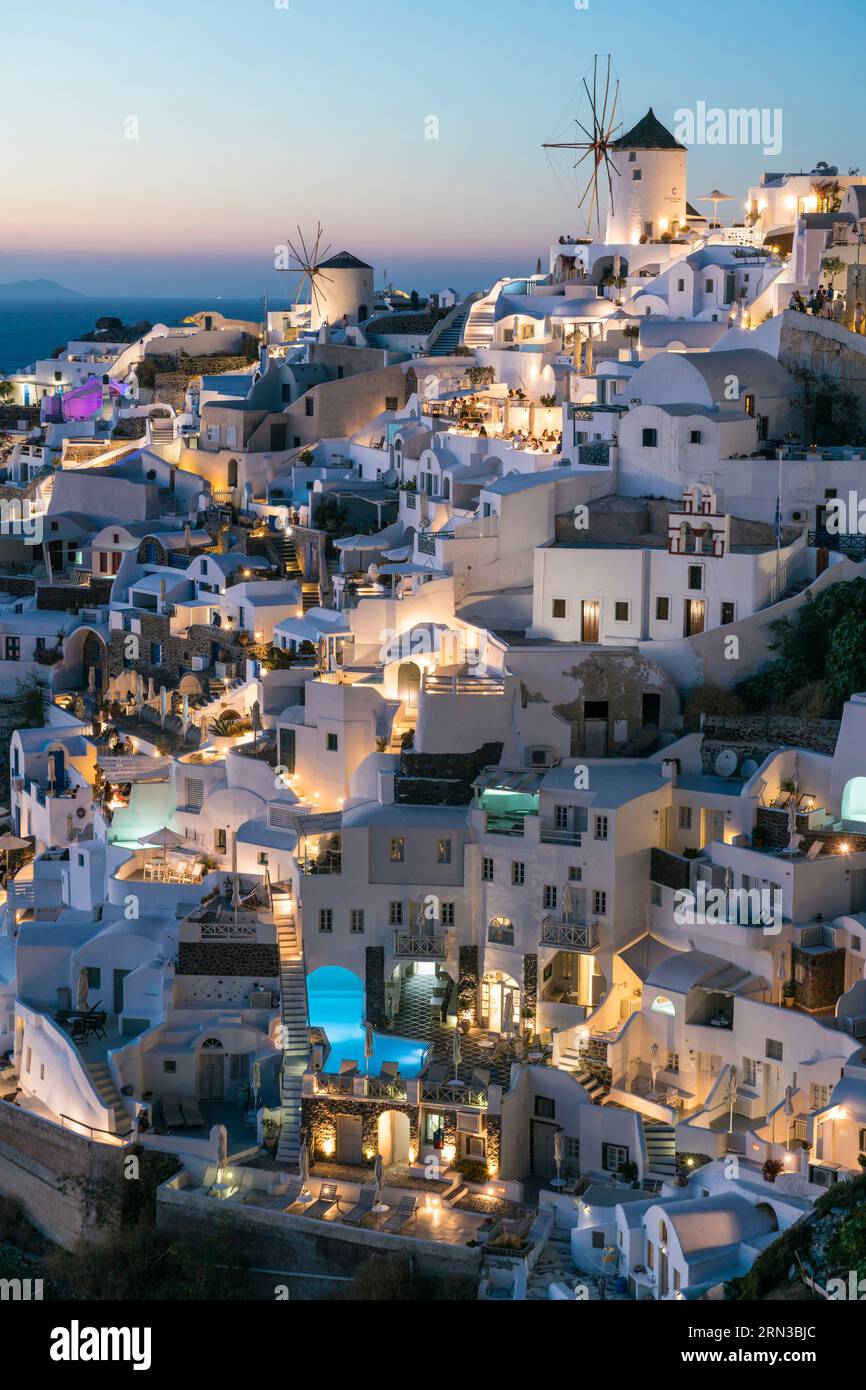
pixel 336 1003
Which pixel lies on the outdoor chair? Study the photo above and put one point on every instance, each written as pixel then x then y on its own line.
pixel 390 1071
pixel 347 1073
pixel 363 1207
pixel 814 849
pixel 172 1113
pixel 326 1199
pixel 481 1075
pixel 436 1073
pixel 405 1211
pixel 191 1114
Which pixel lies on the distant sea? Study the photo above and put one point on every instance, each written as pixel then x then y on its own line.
pixel 32 329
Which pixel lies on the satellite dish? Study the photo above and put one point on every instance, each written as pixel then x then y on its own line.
pixel 749 768
pixel 726 763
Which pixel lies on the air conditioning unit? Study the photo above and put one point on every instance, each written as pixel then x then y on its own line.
pixel 470 1122
pixel 542 756
pixel 261 999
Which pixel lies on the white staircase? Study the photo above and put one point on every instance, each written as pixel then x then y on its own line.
pixel 661 1149
pixel 108 1093
pixel 571 1060
pixel 296 1046
pixel 481 322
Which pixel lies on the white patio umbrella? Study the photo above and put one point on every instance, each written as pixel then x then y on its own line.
pixel 219 1137
pixel 52 771
pixel 715 197
pixel 81 990
pixel 558 1153
pixel 185 712
pixel 163 705
pixel 139 692
pixel 304 1171
pixel 378 1174
pixel 236 896
pixel 781 973
pixel 732 1096
pixel 787 1111
pixel 456 1054
pixel 9 841
pixel 151 690
pixel 368 1045
pixel 655 1067
pixel 168 839
pixel 257 1082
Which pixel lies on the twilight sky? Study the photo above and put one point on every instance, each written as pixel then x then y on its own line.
pixel 254 115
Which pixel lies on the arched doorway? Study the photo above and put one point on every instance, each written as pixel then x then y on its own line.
pixel 394 1137
pixel 854 799
pixel 93 655
pixel 232 473
pixel 408 684
pixel 499 1005
pixel 211 1070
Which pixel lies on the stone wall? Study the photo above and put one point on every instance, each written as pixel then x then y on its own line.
pixel 374 982
pixel 757 735
pixel 823 977
pixel 258 960
pixel 467 983
pixel 530 981
pixel 319 1120
pixel 49 1169
pixel 670 870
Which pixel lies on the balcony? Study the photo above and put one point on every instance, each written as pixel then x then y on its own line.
pixel 568 936
pixel 420 945
pixel 560 836
pixel 506 822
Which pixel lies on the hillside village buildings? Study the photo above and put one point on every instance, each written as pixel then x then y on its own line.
pixel 364 821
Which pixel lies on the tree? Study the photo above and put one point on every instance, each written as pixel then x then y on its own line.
pixel 413 299
pixel 329 516
pixel 31 697
pixel 832 266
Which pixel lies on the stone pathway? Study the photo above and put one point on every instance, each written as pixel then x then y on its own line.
pixel 414 1020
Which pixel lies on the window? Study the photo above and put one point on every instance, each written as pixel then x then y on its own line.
pixel 774 1050
pixel 749 404
pixel 727 613
pixel 219 841
pixel 708 284
pixel 487 870
pixel 263 858
pixel 560 817
pixel 819 1096
pixel 649 438
pixel 13 648
pixel 356 920
pixel 575 873
pixel 663 610
pixel 598 1240
pixel 559 608
pixel 397 845
pixel 156 653
pixel 443 851
pixel 447 914
pixel 94 977
pixel 696 576
pixel 332 743
pixel 287 750
pixel 193 793
pixel 599 902
pixel 391 403
pixel 750 1072
pixel 696 437
pixel 549 896
pixel 655 894
pixel 310 405
pixel 620 611
pixel 681 284
pixel 500 931
pixel 395 914
pixel 545 1108
pixel 326 919
pixel 600 832
pixel 518 873
pixel 632 156
pixel 613 1156
pixel 636 175
pixel 169 1067
pixel 684 817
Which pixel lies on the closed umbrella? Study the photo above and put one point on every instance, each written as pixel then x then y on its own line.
pixel 219 1139
pixel 304 1171
pixel 52 771
pixel 732 1096
pixel 378 1172
pixel 82 989
pixel 257 1082
pixel 139 692
pixel 654 1064
pixel 163 705
pixel 457 1055
pixel 558 1153
pixel 236 896
pixel 787 1111
pixel 151 690
pixel 185 712
pixel 368 1045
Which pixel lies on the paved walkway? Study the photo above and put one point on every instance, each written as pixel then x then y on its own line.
pixel 415 1020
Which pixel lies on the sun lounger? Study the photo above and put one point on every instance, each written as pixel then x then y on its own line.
pixel 362 1208
pixel 482 1076
pixel 327 1198
pixel 390 1071
pixel 405 1211
pixel 347 1073
pixel 172 1113
pixel 191 1113
pixel 436 1073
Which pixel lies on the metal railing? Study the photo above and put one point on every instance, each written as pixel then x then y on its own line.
pixel 227 931
pixel 448 1093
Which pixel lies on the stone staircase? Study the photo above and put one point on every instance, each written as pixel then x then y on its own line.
pixel 481 322
pixel 285 546
pixel 309 595
pixel 108 1093
pixel 661 1148
pixel 161 430
pixel 445 342
pixel 296 1045
pixel 575 1063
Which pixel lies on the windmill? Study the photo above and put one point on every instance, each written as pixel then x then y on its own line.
pixel 308 259
pixel 600 131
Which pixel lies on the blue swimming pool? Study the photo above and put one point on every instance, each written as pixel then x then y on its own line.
pixel 336 1003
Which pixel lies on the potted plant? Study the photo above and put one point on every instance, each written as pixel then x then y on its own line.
pixel 789 993
pixel 771 1169
pixel 628 1171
